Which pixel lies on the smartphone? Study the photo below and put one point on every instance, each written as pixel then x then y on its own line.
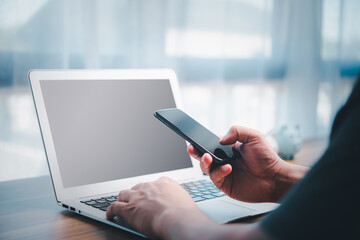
pixel 196 134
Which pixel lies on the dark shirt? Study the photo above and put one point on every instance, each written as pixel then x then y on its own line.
pixel 325 204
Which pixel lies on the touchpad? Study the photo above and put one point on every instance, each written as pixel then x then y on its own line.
pixel 222 212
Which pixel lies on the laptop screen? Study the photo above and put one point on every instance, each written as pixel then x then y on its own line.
pixel 104 130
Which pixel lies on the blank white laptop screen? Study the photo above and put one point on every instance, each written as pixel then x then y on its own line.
pixel 104 130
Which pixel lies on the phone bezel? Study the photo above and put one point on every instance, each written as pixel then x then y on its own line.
pixel 216 159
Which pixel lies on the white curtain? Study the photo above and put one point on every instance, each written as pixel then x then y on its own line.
pixel 259 63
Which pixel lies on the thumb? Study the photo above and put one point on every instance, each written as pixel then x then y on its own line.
pixel 240 134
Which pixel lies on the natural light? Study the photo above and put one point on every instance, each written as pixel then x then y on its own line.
pixel 211 44
pixel 8 7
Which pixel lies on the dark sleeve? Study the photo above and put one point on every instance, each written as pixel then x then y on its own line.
pixel 325 204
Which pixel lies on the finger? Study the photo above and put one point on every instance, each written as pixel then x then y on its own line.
pixel 116 209
pixel 137 186
pixel 241 134
pixel 194 152
pixel 125 195
pixel 205 163
pixel 218 174
pixel 165 179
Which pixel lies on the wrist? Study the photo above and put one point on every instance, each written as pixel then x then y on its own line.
pixel 182 224
pixel 286 177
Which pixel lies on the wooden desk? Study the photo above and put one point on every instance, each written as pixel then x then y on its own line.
pixel 28 209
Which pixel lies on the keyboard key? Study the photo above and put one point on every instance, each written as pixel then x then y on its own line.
pixel 215 190
pixel 90 202
pixel 96 199
pixel 194 191
pixel 209 185
pixel 209 196
pixel 100 205
pixel 198 199
pixel 101 201
pixel 206 192
pixel 196 195
pixel 219 194
pixel 111 199
pixel 199 195
pixel 104 208
pixel 106 197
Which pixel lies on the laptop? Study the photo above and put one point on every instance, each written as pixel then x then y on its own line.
pixel 100 137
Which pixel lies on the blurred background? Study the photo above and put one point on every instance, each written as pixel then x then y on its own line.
pixel 258 63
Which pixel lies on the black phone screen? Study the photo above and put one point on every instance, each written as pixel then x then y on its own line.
pixel 194 132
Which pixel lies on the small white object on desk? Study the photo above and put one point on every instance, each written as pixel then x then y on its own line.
pixel 289 141
pixel 286 141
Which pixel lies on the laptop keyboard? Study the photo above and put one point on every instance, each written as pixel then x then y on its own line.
pixel 199 191
pixel 202 190
pixel 101 203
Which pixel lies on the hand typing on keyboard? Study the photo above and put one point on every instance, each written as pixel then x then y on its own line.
pixel 154 207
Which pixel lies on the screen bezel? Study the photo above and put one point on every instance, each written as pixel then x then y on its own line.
pixel 35 76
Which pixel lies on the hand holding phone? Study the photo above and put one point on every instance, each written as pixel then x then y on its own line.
pixel 196 134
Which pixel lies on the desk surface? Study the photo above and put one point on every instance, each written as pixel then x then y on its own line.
pixel 28 209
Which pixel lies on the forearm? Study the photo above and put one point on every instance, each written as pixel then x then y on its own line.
pixel 199 229
pixel 182 224
pixel 288 175
pixel 195 225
